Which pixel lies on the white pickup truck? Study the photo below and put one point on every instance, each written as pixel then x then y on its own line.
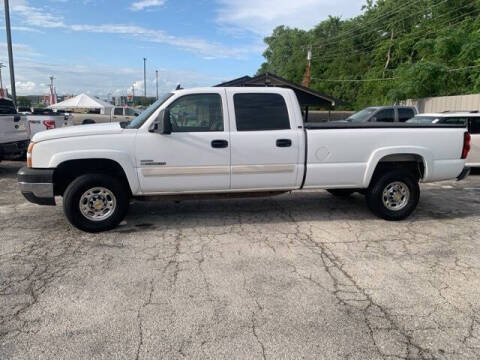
pixel 14 132
pixel 116 114
pixel 234 142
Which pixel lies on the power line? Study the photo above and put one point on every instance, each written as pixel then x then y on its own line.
pixel 375 19
pixel 390 78
pixel 367 49
pixel 438 17
pixel 332 40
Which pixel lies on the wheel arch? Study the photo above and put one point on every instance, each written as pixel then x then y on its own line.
pixel 66 170
pixel 417 159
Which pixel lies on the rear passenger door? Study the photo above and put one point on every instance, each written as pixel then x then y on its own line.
pixel 384 115
pixel 474 128
pixel 405 114
pixel 265 146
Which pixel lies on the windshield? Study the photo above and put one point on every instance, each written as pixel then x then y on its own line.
pixel 362 115
pixel 140 119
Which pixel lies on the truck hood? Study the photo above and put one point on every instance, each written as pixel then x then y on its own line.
pixel 79 130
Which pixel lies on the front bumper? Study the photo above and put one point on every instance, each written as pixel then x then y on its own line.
pixel 36 185
pixel 465 172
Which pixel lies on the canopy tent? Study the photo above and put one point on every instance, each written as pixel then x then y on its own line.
pixel 83 101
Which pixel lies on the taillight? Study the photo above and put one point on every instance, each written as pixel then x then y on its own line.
pixel 49 125
pixel 29 154
pixel 466 145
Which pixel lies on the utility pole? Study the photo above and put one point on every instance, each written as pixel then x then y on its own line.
pixel 10 51
pixel 145 77
pixel 52 91
pixel 307 75
pixel 133 93
pixel 156 77
pixel 1 80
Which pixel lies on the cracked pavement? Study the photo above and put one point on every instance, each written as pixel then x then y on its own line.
pixel 302 275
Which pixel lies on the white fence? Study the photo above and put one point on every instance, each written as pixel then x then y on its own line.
pixel 446 103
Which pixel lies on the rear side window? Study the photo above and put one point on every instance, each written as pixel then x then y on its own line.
pixel 454 121
pixel 475 125
pixel 405 114
pixel 256 112
pixel 385 115
pixel 7 107
pixel 118 111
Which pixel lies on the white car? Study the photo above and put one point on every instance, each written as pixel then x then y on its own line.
pixel 471 120
pixel 235 142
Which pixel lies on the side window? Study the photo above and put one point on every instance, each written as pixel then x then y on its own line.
pixel 455 121
pixel 405 114
pixel 385 115
pixel 118 111
pixel 197 113
pixel 256 112
pixel 475 125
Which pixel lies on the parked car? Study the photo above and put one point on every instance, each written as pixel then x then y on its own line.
pixel 14 134
pixel 235 142
pixel 42 119
pixel 471 120
pixel 117 114
pixel 383 114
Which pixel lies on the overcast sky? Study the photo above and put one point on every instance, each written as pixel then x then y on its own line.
pixel 97 46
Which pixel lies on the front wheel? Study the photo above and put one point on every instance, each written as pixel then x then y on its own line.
pixel 393 195
pixel 96 202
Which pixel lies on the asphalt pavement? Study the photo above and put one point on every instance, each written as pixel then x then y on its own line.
pixel 302 275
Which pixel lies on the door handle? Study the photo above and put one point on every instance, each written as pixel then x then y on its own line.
pixel 219 144
pixel 284 143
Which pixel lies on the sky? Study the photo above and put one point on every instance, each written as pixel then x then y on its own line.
pixel 98 46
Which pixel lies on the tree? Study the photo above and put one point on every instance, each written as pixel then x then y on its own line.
pixel 408 48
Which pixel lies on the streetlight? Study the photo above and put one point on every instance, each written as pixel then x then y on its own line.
pixel 145 77
pixel 156 77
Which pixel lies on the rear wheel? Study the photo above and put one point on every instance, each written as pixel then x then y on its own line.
pixel 393 195
pixel 341 192
pixel 96 202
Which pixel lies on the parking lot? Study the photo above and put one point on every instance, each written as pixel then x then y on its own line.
pixel 303 275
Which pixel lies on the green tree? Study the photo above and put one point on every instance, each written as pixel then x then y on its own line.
pixel 410 48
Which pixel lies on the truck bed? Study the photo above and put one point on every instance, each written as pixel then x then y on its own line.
pixel 375 125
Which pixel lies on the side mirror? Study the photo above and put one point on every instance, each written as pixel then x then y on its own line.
pixel 162 124
pixel 373 119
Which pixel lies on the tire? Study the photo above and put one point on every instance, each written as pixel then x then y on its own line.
pixel 401 191
pixel 341 192
pixel 88 122
pixel 113 201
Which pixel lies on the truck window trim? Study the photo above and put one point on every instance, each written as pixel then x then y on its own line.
pixel 286 126
pixel 195 129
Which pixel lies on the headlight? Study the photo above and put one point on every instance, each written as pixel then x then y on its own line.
pixel 29 154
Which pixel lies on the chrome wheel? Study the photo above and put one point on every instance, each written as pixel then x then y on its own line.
pixel 97 204
pixel 396 196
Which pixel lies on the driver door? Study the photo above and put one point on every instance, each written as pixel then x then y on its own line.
pixel 195 157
